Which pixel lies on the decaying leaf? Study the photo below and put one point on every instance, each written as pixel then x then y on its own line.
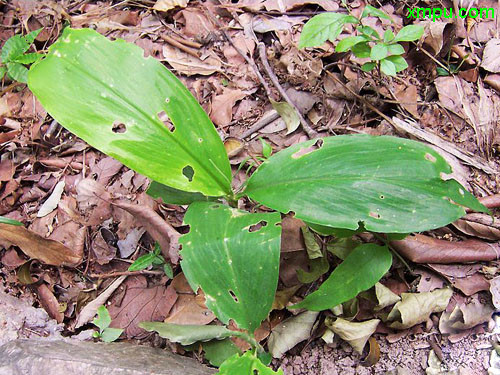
pixel 291 236
pixel 188 64
pixel 355 333
pixel 415 308
pixel 495 291
pixel 385 297
pixel 233 146
pixel 491 58
pixel 222 106
pixel 288 114
pixel 188 334
pixel 36 247
pixel 51 203
pixel 166 5
pixel 283 296
pixel 466 277
pixel 464 317
pixel 187 310
pixel 290 332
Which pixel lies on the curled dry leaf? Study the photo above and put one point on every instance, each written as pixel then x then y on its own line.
pixel 425 249
pixel 166 5
pixel 190 65
pixel 373 354
pixel 286 5
pixel 36 247
pixel 49 302
pixel 415 308
pixel 51 203
pixel 222 106
pixel 355 333
pixel 233 146
pixel 491 58
pixel 479 225
pixel 495 291
pixel 385 296
pixel 465 316
pixel 466 277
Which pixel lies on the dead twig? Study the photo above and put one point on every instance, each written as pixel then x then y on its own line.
pixel 122 273
pixel 265 120
pixel 263 58
pixel 181 46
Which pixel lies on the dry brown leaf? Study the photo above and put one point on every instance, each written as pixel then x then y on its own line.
pixel 433 34
pixel 166 5
pixel 103 251
pixel 286 5
pixel 189 65
pixel 355 333
pixel 197 25
pixel 11 259
pixel 187 310
pixel 408 98
pixel 140 304
pixel 158 228
pixel 291 235
pixel 495 291
pixel 493 80
pixel 424 249
pixel 465 316
pixel 36 247
pixel 466 277
pixel 233 146
pixel 479 225
pixel 491 57
pixel 49 302
pixel 222 106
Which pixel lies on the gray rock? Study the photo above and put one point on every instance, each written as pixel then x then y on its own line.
pixel 38 356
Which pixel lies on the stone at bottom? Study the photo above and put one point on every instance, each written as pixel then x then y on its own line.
pixel 38 356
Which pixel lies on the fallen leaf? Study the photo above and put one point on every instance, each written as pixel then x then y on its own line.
pixel 11 259
pixel 479 225
pixel 290 332
pixel 233 146
pixel 49 302
pixel 385 296
pixel 129 244
pixel 491 58
pixel 465 316
pixel 222 106
pixel 187 310
pixel 51 203
pixel 291 235
pixel 36 247
pixel 356 334
pixel 140 304
pixel 493 80
pixel 283 296
pixel 286 5
pixel 288 114
pixel 466 277
pixel 415 308
pixel 103 251
pixel 7 170
pixel 189 65
pixel 373 355
pixel 433 34
pixel 197 25
pixel 263 24
pixel 408 98
pixel 495 291
pixel 166 5
pixel 423 249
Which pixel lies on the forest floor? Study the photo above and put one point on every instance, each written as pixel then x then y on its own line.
pixel 448 98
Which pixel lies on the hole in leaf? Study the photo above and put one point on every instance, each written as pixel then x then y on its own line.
pixel 167 100
pixel 382 197
pixel 304 151
pixel 215 206
pixel 374 215
pixel 430 157
pixel 233 295
pixel 119 127
pixel 188 172
pixel 255 372
pixel 163 117
pixel 258 226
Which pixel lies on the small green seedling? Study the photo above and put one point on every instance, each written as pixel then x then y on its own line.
pixel 14 56
pixel 6 220
pixel 153 258
pixel 384 51
pixel 102 321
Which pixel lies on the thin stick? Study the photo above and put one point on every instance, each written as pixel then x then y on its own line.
pixel 263 57
pixel 265 120
pixel 121 273
pixel 186 42
pixel 181 46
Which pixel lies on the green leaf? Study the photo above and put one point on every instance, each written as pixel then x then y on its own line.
pixel 399 62
pixel 103 319
pixel 346 43
pixel 318 267
pixel 395 49
pixel 247 364
pixel 17 72
pixel 187 334
pixel 388 36
pixel 442 71
pixel 312 246
pixel 337 232
pixel 378 52
pixel 368 67
pixel 167 268
pixel 362 268
pixel 267 150
pixel 28 58
pixel 323 27
pixel 111 334
pixel 233 261
pixel 371 11
pixel 14 46
pixel 388 67
pixel 142 262
pixel 409 33
pixel 112 97
pixel 170 195
pixel 361 50
pixel 3 70
pixel 217 351
pixel 342 247
pixel 391 184
pixel 30 38
pixel 6 220
pixel 370 31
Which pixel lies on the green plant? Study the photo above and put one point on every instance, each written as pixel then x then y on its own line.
pixel 102 321
pixel 339 185
pixel 6 220
pixel 152 258
pixel 14 56
pixel 384 51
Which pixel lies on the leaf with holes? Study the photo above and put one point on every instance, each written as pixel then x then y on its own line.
pixel 174 196
pixel 360 270
pixel 131 108
pixel 392 185
pixel 247 364
pixel 234 257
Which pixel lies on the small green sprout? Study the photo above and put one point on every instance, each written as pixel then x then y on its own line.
pixel 102 321
pixel 152 258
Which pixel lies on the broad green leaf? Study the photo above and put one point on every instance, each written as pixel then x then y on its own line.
pixel 217 351
pixel 378 52
pixel 323 27
pixel 361 50
pixel 342 247
pixel 392 185
pixel 372 11
pixel 6 220
pixel 346 43
pixel 111 334
pixel 17 72
pixel 112 97
pixel 370 31
pixel 103 319
pixel 247 364
pixel 388 36
pixel 312 246
pixel 396 49
pixel 337 232
pixel 143 262
pixel 174 196
pixel 368 66
pixel 318 267
pixel 30 38
pixel 399 62
pixel 233 261
pixel 3 70
pixel 442 71
pixel 14 46
pixel 387 67
pixel 169 272
pixel 362 268
pixel 28 58
pixel 267 150
pixel 187 334
pixel 409 33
